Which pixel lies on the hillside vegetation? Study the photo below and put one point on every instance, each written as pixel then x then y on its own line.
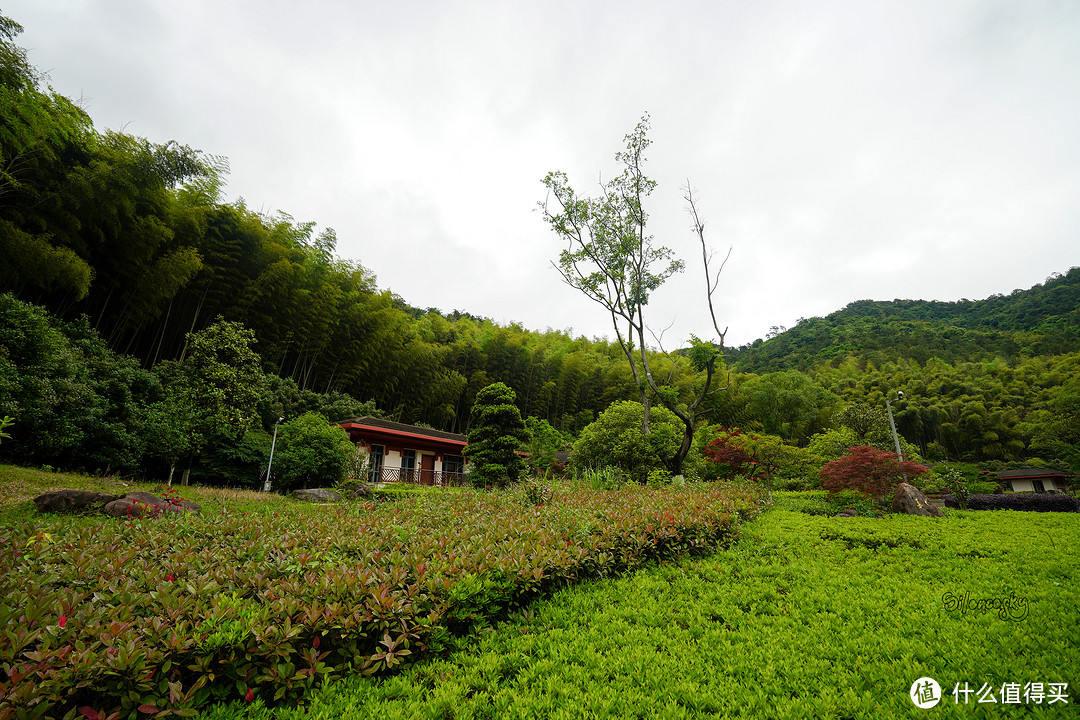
pixel 1043 320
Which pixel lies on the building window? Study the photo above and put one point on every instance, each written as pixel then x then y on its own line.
pixel 408 465
pixel 453 464
pixel 375 461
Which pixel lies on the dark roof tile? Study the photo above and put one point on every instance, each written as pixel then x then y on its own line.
pixel 402 427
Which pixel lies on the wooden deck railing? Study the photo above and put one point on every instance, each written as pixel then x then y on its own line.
pixel 420 477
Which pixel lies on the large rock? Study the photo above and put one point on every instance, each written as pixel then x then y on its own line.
pixel 67 501
pixel 910 500
pixel 124 507
pixel 319 495
pixel 142 504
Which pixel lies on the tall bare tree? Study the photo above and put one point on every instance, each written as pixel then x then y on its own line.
pixel 611 258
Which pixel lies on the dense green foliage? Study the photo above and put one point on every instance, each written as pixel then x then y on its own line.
pixel 544 445
pixel 310 452
pixel 1044 320
pixel 785 624
pixel 81 405
pixel 495 434
pixel 615 439
pixel 176 612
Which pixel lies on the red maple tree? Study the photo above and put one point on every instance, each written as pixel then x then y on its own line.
pixel 727 453
pixel 867 470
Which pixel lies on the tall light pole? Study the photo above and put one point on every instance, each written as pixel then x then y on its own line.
pixel 266 483
pixel 895 437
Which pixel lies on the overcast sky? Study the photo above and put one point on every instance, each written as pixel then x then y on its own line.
pixel 843 149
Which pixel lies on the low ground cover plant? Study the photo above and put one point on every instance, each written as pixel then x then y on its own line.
pixel 803 617
pixel 164 616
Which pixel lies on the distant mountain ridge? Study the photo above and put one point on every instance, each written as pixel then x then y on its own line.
pixel 1043 320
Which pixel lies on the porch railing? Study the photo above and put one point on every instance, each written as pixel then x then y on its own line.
pixel 420 477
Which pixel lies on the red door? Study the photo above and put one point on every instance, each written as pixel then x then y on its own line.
pixel 427 469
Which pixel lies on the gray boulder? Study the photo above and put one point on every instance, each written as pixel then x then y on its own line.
pixel 124 507
pixel 910 500
pixel 143 504
pixel 318 495
pixel 69 501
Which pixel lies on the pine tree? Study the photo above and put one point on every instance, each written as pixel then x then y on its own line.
pixel 495 435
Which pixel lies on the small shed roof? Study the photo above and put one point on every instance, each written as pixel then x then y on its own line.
pixel 1031 473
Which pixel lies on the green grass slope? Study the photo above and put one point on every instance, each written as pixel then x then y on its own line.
pixel 805 617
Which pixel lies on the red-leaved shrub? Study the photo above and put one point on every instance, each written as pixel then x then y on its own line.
pixel 867 470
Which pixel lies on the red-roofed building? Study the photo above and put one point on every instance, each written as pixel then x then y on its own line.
pixel 406 453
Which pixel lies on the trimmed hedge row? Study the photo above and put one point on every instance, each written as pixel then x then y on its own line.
pixel 161 617
pixel 1033 502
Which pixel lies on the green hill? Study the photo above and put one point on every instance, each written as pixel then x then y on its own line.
pixel 1044 320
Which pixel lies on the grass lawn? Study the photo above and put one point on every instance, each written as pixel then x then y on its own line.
pixel 804 617
pixel 20 485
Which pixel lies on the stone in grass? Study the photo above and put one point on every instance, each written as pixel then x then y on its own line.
pixel 69 501
pixel 849 512
pixel 910 500
pixel 318 495
pixel 141 504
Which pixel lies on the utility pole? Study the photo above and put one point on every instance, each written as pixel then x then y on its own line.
pixel 892 424
pixel 273 442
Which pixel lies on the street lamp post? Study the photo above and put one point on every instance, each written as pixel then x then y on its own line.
pixel 892 425
pixel 266 483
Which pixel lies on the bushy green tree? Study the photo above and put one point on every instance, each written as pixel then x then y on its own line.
pixel 310 452
pixel 615 440
pixel 214 391
pixel 789 404
pixel 863 420
pixel 78 403
pixel 496 433
pixel 834 443
pixel 762 458
pixel 544 443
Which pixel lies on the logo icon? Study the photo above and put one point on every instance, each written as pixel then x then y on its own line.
pixel 925 692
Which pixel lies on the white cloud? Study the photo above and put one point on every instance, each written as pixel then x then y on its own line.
pixel 846 150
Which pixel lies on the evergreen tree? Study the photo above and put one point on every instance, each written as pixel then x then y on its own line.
pixel 496 432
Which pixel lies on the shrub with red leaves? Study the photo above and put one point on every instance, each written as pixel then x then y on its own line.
pixel 867 470
pixel 728 455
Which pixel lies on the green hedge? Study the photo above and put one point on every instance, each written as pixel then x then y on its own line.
pixel 803 617
pixel 168 615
